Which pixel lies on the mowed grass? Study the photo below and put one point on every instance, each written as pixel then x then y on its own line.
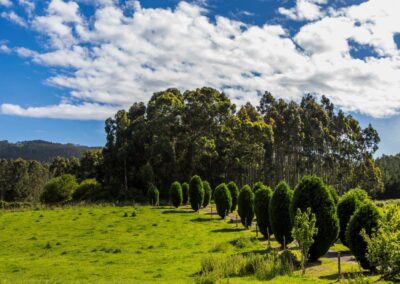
pixel 102 244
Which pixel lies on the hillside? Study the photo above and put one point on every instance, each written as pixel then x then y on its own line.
pixel 40 150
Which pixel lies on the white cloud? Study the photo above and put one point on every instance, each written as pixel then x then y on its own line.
pixel 13 17
pixel 62 111
pixel 4 48
pixel 304 10
pixel 114 59
pixel 6 3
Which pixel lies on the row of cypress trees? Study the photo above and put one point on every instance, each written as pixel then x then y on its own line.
pixel 275 210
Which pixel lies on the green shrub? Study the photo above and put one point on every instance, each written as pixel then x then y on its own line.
pixel 175 194
pixel 384 245
pixel 234 190
pixel 153 195
pixel 261 209
pixel 59 189
pixel 246 205
pixel 347 205
pixel 366 219
pixel 196 192
pixel 185 193
pixel 223 200
pixel 334 194
pixel 86 190
pixel 207 193
pixel 314 193
pixel 279 213
pixel 258 185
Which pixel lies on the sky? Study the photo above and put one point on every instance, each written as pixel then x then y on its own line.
pixel 66 66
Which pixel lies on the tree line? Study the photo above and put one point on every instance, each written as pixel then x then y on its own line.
pixel 177 135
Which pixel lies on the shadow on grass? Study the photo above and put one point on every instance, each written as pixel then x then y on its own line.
pixel 200 220
pixel 227 230
pixel 333 254
pixel 176 211
pixel 346 275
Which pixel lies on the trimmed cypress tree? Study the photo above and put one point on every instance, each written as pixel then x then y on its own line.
pixel 258 185
pixel 196 192
pixel 279 213
pixel 234 190
pixel 334 194
pixel 185 193
pixel 153 195
pixel 223 200
pixel 246 205
pixel 261 208
pixel 207 193
pixel 347 205
pixel 175 194
pixel 314 193
pixel 365 218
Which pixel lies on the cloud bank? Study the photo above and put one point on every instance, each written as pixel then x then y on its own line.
pixel 123 54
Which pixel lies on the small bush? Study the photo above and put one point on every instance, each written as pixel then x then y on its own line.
pixel 196 192
pixel 347 205
pixel 153 195
pixel 223 200
pixel 207 193
pixel 246 205
pixel 279 213
pixel 365 219
pixel 185 193
pixel 86 190
pixel 234 190
pixel 258 185
pixel 175 194
pixel 59 189
pixel 261 208
pixel 314 193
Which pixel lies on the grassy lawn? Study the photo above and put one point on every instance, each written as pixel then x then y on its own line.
pixel 108 244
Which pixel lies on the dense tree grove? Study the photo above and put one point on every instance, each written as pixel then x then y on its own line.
pixel 390 166
pixel 202 132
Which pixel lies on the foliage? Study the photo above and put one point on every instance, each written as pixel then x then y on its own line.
pixel 279 213
pixel 153 195
pixel 175 194
pixel 21 180
pixel 87 190
pixel 223 200
pixel 258 185
pixel 390 167
pixel 303 232
pixel 246 206
pixel 383 246
pixel 59 189
pixel 207 193
pixel 185 193
pixel 262 200
pixel 314 193
pixel 334 194
pixel 365 219
pixel 347 205
pixel 234 190
pixel 196 192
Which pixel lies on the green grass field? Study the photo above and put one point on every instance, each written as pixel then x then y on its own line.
pixel 101 244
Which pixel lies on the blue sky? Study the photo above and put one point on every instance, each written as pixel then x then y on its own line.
pixel 67 65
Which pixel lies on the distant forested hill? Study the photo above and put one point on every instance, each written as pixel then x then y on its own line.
pixel 40 150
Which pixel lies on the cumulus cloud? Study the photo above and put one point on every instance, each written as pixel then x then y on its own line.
pixel 6 3
pixel 117 57
pixel 304 10
pixel 13 17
